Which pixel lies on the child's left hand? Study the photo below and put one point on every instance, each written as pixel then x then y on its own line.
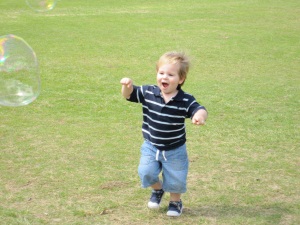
pixel 199 117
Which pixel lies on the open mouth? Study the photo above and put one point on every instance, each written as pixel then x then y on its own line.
pixel 165 85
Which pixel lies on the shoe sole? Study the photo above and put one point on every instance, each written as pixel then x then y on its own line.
pixel 152 205
pixel 174 214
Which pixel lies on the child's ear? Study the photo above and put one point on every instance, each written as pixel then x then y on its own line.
pixel 181 81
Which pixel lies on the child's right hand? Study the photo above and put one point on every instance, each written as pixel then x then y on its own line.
pixel 127 87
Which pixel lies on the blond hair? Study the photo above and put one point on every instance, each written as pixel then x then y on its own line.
pixel 179 58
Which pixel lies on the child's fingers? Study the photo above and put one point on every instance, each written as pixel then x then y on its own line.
pixel 194 121
pixel 198 121
pixel 126 81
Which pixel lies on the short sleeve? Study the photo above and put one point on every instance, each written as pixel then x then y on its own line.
pixel 137 94
pixel 193 107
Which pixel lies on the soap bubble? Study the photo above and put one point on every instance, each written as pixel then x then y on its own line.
pixel 19 72
pixel 41 5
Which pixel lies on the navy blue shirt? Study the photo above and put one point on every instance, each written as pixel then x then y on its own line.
pixel 163 124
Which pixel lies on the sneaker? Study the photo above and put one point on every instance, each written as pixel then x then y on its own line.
pixel 155 199
pixel 175 208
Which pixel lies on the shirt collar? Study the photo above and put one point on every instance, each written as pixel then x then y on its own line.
pixel 156 91
pixel 178 97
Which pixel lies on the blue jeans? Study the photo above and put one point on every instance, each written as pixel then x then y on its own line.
pixel 173 164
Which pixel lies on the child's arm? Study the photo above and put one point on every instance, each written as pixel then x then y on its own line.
pixel 199 117
pixel 127 87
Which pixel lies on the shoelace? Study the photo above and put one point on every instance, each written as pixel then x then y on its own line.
pixel 158 194
pixel 176 204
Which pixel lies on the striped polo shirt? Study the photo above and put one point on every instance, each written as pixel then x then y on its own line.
pixel 163 124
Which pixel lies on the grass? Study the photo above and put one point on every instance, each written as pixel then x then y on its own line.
pixel 71 156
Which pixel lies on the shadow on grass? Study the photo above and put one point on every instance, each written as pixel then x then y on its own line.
pixel 275 212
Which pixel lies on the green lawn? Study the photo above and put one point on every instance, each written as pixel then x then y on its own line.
pixel 71 156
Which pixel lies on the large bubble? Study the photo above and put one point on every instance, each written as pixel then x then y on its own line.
pixel 41 5
pixel 19 72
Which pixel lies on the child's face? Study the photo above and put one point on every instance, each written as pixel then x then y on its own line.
pixel 168 78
